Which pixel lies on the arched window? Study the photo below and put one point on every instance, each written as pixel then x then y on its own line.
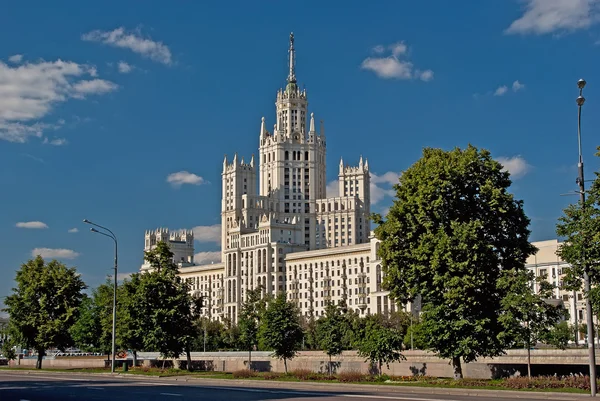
pixel 306 156
pixel 287 155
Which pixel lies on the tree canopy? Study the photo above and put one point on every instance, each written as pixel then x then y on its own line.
pixel 44 305
pixel 159 307
pixel 280 329
pixel 453 232
pixel 580 228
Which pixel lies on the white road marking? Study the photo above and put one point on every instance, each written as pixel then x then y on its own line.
pixel 332 394
pixel 171 394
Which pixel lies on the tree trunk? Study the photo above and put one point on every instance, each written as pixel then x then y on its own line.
pixel 329 365
pixel 188 356
pixel 285 365
pixel 250 358
pixel 380 368
pixel 457 368
pixel 38 363
pixel 528 361
pixel 134 358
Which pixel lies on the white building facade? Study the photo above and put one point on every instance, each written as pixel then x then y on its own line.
pixel 281 233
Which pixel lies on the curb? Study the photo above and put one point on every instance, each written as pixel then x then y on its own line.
pixel 334 387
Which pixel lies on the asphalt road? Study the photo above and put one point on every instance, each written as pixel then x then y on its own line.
pixel 21 386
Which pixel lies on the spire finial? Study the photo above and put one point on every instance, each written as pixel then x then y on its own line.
pixel 292 74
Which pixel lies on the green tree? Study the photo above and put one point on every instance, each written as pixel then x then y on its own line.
pixel 132 321
pixel 453 231
pixel 86 331
pixel 379 343
pixel 559 335
pixel 528 316
pixel 249 321
pixel 416 336
pixel 330 331
pixel 580 228
pixel 44 305
pixel 280 329
pixel 93 329
pixel 161 307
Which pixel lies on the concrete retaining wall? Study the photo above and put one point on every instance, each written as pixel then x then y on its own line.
pixel 416 363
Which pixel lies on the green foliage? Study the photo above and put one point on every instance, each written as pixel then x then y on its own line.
pixel 249 319
pixel 280 329
pixel 86 332
pixel 580 228
pixel 379 343
pixel 419 336
pixel 559 335
pixel 528 317
pixel 158 307
pixel 44 305
pixel 93 329
pixel 450 236
pixel 330 330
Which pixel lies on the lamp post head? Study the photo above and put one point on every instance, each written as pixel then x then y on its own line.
pixel 86 221
pixel 94 230
pixel 580 101
pixel 581 83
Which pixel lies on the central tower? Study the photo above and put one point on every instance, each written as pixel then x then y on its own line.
pixel 292 157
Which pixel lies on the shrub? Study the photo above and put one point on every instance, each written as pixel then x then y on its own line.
pixel 244 374
pixel 304 374
pixel 350 376
pixel 273 375
pixel 547 382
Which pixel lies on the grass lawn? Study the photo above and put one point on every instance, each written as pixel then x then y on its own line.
pixel 572 384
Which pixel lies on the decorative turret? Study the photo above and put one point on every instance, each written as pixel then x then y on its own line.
pixel 341 166
pixel 263 128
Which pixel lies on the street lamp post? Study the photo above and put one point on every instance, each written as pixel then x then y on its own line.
pixel 112 236
pixel 586 276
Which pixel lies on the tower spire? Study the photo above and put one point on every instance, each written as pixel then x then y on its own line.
pixel 292 74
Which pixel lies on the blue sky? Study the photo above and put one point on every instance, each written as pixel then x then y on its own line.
pixel 102 102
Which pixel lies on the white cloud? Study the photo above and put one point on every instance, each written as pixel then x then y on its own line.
pixel 501 91
pixel 55 141
pixel 379 49
pixel 124 68
pixel 517 86
pixel 73 230
pixel 184 177
pixel 398 49
pixel 16 59
pixel 122 276
pixel 93 86
pixel 207 257
pixel 31 224
pixel 208 233
pixel 29 91
pixel 392 66
pixel 133 41
pixel 50 253
pixel 332 189
pixel 547 16
pixel 426 75
pixel 381 186
pixel 517 166
pixel 390 178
